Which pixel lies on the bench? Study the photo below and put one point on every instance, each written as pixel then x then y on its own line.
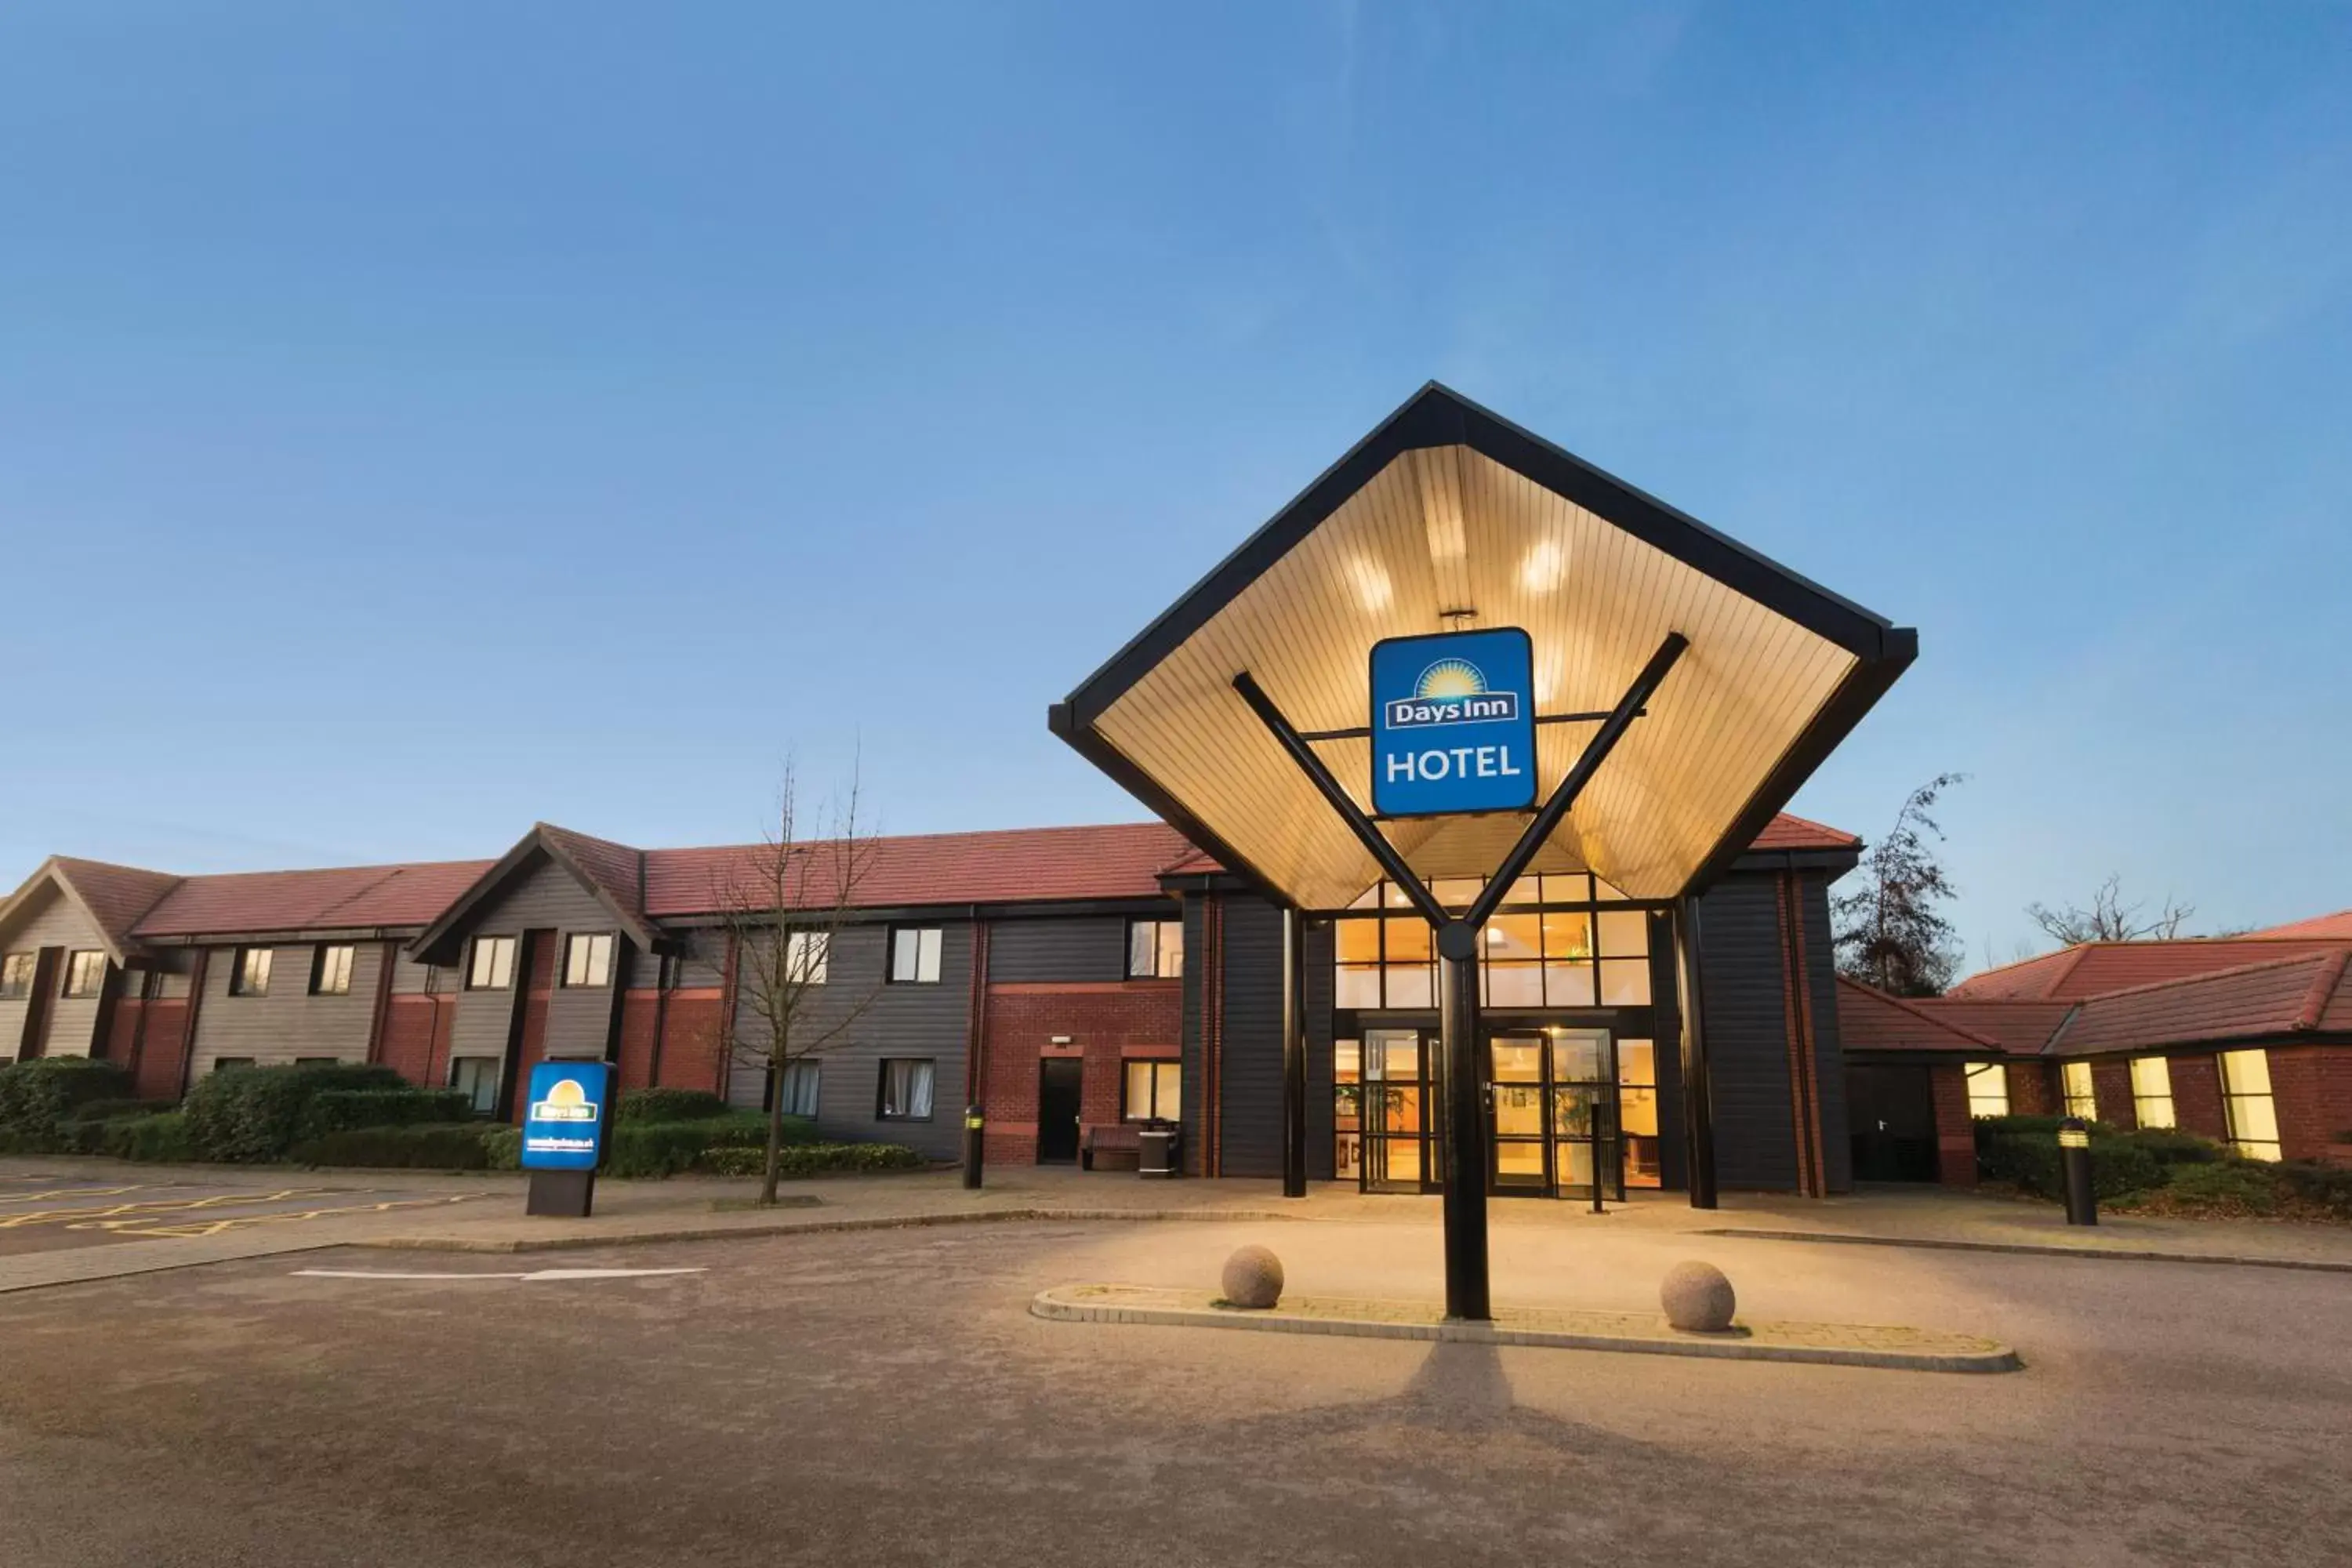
pixel 1124 1138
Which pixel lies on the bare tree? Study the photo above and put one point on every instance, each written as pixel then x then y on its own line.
pixel 2109 919
pixel 784 902
pixel 1891 931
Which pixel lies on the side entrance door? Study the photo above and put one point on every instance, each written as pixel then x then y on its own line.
pixel 1059 1078
pixel 1891 1109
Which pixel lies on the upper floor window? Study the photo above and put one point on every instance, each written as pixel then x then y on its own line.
pixel 1155 950
pixel 15 976
pixel 2151 1081
pixel 588 959
pixel 85 972
pixel 493 966
pixel 330 970
pixel 1534 955
pixel 1987 1088
pixel 807 955
pixel 251 975
pixel 914 954
pixel 2082 1098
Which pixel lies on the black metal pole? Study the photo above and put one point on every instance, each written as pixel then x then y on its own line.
pixel 1294 1054
pixel 1466 1129
pixel 1698 1094
pixel 2075 1157
pixel 974 1133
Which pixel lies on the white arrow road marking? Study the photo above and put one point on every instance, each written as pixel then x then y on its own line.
pixel 533 1274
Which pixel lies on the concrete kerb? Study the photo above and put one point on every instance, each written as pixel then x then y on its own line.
pixel 2036 1249
pixel 651 1234
pixel 1902 1350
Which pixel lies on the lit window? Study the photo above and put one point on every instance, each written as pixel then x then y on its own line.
pixel 906 1089
pixel 15 976
pixel 331 971
pixel 808 954
pixel 478 1077
pixel 1152 1092
pixel 2081 1099
pixel 1155 950
pixel 588 959
pixel 1347 1107
pixel 800 1089
pixel 1987 1088
pixel 2151 1081
pixel 915 956
pixel 2246 1096
pixel 1637 1112
pixel 1533 955
pixel 492 968
pixel 250 977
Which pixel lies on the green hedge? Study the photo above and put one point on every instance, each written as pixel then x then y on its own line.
pixel 666 1148
pixel 812 1159
pixel 437 1146
pixel 254 1114
pixel 40 1098
pixel 113 1106
pixel 668 1105
pixel 503 1148
pixel 162 1137
pixel 335 1111
pixel 2029 1160
pixel 2317 1181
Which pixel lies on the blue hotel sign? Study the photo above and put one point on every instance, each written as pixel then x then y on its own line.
pixel 1454 723
pixel 564 1122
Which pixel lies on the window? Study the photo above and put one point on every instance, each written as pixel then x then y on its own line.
pixel 808 954
pixel 331 971
pixel 2246 1096
pixel 800 1089
pixel 1152 1090
pixel 134 984
pixel 15 976
pixel 906 1089
pixel 2075 1082
pixel 588 959
pixel 1538 953
pixel 85 972
pixel 224 1064
pixel 1987 1088
pixel 478 1077
pixel 2151 1081
pixel 250 976
pixel 492 968
pixel 915 956
pixel 1155 950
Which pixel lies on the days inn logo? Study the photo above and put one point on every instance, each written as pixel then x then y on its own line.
pixel 566 1101
pixel 1451 691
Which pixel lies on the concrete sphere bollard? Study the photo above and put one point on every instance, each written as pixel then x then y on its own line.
pixel 1253 1278
pixel 1697 1298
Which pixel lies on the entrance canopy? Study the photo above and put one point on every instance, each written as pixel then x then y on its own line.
pixel 1447 518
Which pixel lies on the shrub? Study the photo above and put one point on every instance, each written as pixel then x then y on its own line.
pixel 114 1106
pixel 2232 1187
pixel 2171 1146
pixel 256 1113
pixel 439 1146
pixel 668 1105
pixel 162 1137
pixel 2318 1183
pixel 666 1147
pixel 39 1098
pixel 503 1147
pixel 812 1159
pixel 346 1109
pixel 2118 1165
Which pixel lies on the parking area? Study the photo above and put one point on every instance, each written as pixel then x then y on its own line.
pixel 52 1211
pixel 886 1397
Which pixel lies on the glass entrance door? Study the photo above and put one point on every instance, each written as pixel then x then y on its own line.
pixel 1398 1139
pixel 1516 1092
pixel 1584 1131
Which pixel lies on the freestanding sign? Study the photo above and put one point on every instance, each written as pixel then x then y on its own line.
pixel 1454 723
pixel 563 1135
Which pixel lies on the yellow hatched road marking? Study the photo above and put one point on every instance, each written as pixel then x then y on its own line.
pixel 153 1205
pixel 78 1193
pixel 138 1226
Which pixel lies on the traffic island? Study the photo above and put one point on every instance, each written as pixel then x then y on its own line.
pixel 1640 1334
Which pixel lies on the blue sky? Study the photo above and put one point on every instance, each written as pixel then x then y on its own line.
pixel 417 420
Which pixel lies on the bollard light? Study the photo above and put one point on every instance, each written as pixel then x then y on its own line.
pixel 974 1127
pixel 2075 1162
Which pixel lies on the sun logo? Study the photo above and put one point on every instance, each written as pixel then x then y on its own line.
pixel 565 1101
pixel 1451 677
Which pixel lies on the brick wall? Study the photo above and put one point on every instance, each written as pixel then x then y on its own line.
pixel 2111 1086
pixel 163 1054
pixel 1955 1137
pixel 2197 1096
pixel 415 1042
pixel 691 1042
pixel 2032 1091
pixel 121 1031
pixel 2312 1086
pixel 1108 1023
pixel 641 1011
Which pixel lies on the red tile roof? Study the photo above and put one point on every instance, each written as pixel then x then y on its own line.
pixel 115 896
pixel 2336 926
pixel 2023 1028
pixel 342 898
pixel 2094 969
pixel 1870 1020
pixel 615 869
pixel 2279 996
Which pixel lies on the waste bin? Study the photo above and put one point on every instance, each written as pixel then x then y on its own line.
pixel 1157 1154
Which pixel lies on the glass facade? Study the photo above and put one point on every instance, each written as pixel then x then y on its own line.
pixel 1555 942
pixel 2082 1098
pixel 2151 1081
pixel 2246 1096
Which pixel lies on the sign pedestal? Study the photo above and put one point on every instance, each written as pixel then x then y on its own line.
pixel 560 1194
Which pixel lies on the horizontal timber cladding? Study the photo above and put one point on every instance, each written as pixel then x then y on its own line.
pixel 1077 947
pixel 71 1029
pixel 919 1020
pixel 1249 1070
pixel 545 898
pixel 1199 993
pixel 1828 1055
pixel 1746 1017
pixel 287 1023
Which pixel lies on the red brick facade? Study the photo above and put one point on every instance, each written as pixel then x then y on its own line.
pixel 1107 1024
pixel 2111 1088
pixel 416 1040
pixel 2312 1087
pixel 158 1058
pixel 1955 1137
pixel 2031 1093
pixel 2197 1096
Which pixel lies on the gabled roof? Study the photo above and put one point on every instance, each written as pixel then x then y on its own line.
pixel 2336 926
pixel 340 897
pixel 2279 996
pixel 1870 1019
pixel 1123 860
pixel 608 871
pixel 2095 968
pixel 2020 1028
pixel 114 897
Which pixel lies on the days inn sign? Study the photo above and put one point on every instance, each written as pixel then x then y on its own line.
pixel 1454 728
